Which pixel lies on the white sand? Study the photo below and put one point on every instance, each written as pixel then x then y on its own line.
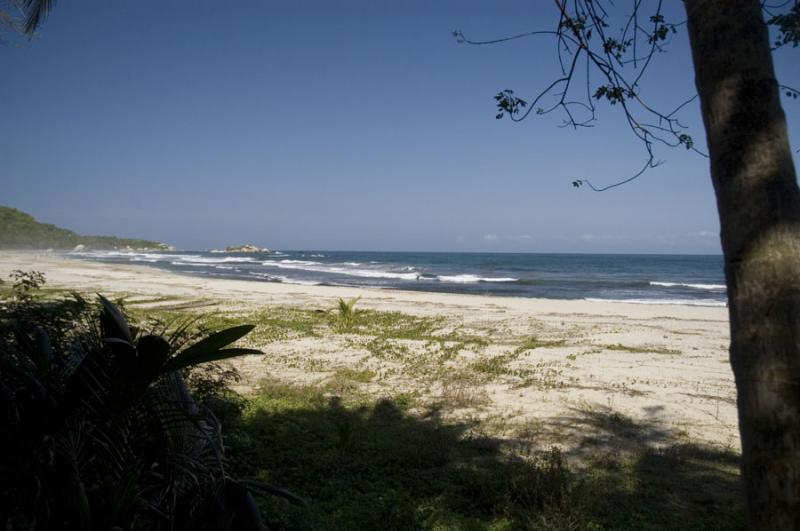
pixel 673 372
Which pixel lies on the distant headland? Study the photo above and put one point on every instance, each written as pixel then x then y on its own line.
pixel 19 230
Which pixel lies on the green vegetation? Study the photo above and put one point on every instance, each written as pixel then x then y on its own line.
pixel 281 323
pixel 399 459
pixel 26 283
pixel 499 365
pixel 99 428
pixel 19 230
pixel 643 350
pixel 275 324
pixel 366 463
pixel 347 314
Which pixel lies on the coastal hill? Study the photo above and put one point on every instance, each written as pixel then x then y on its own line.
pixel 19 230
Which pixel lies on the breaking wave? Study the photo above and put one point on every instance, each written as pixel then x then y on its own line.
pixel 707 287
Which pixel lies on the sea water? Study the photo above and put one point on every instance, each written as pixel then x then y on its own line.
pixel 647 279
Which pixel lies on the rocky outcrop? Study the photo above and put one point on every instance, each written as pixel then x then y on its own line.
pixel 247 248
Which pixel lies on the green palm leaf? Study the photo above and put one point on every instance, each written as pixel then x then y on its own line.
pixel 113 322
pixel 212 348
pixel 182 361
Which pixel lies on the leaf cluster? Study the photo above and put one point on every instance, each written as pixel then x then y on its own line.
pixel 788 25
pixel 100 429
pixel 346 316
pixel 509 104
pixel 603 52
pixel 614 94
pixel 26 283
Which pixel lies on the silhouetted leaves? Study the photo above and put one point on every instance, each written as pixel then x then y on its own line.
pixel 507 103
pixel 614 94
pixel 99 429
pixel 788 25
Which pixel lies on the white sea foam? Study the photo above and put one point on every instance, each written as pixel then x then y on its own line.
pixel 132 255
pixel 685 302
pixel 294 264
pixel 194 259
pixel 407 273
pixel 317 267
pixel 459 279
pixel 375 273
pixel 285 280
pixel 303 262
pixel 707 287
pixel 469 279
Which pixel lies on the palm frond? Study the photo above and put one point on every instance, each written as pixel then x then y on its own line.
pixel 35 12
pixel 125 434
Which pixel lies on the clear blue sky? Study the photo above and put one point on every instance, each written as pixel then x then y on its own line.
pixel 333 125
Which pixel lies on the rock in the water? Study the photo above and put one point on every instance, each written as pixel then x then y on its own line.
pixel 247 248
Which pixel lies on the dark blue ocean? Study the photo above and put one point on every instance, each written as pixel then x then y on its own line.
pixel 653 279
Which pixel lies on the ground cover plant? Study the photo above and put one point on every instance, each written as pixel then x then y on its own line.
pixel 383 463
pixel 356 458
pixel 100 430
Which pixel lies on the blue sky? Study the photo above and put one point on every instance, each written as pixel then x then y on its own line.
pixel 333 125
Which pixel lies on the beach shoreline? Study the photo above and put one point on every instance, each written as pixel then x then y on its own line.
pixel 67 269
pixel 644 279
pixel 665 365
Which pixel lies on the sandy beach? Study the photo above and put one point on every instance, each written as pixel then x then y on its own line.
pixel 530 364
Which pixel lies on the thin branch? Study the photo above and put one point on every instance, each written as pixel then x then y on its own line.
pixel 648 165
pixel 459 35
pixel 583 31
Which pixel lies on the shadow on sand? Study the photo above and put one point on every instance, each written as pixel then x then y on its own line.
pixel 378 466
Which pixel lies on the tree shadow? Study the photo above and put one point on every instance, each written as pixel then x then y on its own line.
pixel 646 477
pixel 380 466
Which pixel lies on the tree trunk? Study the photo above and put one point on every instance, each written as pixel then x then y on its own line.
pixel 759 210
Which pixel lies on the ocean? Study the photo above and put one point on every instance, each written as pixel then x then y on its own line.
pixel 646 279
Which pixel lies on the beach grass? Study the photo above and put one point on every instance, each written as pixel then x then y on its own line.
pixel 395 459
pixel 640 349
pixel 366 452
pixel 381 463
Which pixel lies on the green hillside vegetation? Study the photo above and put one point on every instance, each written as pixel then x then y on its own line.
pixel 19 230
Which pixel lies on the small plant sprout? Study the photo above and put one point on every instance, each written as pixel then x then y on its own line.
pixel 347 313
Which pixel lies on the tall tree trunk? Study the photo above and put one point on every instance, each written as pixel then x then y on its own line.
pixel 759 210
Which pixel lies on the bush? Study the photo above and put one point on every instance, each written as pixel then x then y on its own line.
pixel 26 283
pixel 100 430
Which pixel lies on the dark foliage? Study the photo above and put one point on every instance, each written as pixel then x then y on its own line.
pixel 603 51
pixel 100 430
pixel 26 283
pixel 379 465
pixel 788 25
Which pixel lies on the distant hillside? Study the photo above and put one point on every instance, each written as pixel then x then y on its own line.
pixel 19 230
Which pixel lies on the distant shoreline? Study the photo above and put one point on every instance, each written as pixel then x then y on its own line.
pixel 638 358
pixel 695 280
pixel 62 269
